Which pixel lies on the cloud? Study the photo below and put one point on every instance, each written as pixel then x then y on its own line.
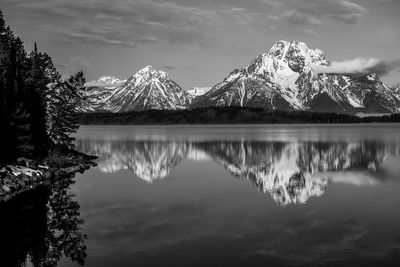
pixel 359 66
pixel 80 61
pixel 296 17
pixel 169 67
pixel 312 11
pixel 63 66
pixel 273 3
pixel 309 31
pixel 390 1
pixel 132 23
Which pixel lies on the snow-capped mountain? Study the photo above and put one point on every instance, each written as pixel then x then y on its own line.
pixel 94 98
pixel 146 89
pixel 198 91
pixel 284 78
pixel 97 92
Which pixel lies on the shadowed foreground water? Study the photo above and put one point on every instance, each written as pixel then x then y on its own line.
pixel 220 195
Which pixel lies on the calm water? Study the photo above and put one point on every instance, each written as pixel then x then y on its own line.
pixel 225 196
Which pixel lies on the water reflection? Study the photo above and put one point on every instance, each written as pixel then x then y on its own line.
pixel 41 227
pixel 290 171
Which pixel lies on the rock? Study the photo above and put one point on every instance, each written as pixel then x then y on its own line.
pixel 25 178
pixel 47 175
pixel 24 162
pixel 26 174
pixel 6 188
pixel 43 167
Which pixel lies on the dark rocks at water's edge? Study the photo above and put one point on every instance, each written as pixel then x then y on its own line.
pixel 25 174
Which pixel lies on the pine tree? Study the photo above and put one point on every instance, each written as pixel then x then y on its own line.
pixel 37 107
pixel 20 120
pixel 65 96
pixel 35 99
pixel 7 90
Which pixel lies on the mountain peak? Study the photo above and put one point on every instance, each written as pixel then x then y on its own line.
pixel 148 89
pixel 149 72
pixel 285 78
pixel 147 69
pixel 297 53
pixel 282 45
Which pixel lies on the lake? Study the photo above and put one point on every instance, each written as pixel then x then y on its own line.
pixel 279 195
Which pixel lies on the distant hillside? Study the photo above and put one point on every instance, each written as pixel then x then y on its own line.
pixel 225 115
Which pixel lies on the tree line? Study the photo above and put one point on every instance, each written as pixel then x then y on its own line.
pixel 215 115
pixel 37 106
pixel 225 115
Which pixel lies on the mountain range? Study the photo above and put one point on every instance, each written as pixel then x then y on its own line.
pixel 284 78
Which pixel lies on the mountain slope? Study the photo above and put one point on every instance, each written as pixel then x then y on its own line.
pixel 284 79
pixel 198 91
pixel 148 89
pixel 98 92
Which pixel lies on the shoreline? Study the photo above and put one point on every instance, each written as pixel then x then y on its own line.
pixel 227 116
pixel 27 174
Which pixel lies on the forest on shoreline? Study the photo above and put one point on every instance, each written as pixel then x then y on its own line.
pixel 37 105
pixel 225 115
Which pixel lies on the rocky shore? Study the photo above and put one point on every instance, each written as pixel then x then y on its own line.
pixel 25 174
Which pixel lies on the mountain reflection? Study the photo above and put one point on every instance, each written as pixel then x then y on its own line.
pixel 42 226
pixel 291 172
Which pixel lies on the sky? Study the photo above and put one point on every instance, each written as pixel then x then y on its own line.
pixel 199 42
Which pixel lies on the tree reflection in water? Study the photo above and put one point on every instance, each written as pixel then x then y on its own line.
pixel 41 226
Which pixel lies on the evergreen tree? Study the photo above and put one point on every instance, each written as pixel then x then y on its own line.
pixel 64 97
pixel 7 90
pixel 20 121
pixel 35 99
pixel 37 107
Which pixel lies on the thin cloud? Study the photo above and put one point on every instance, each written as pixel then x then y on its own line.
pixel 309 31
pixel 313 11
pixel 169 67
pixel 81 61
pixel 296 17
pixel 273 3
pixel 131 23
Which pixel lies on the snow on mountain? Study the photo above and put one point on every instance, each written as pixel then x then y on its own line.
pixel 396 90
pixel 148 89
pixel 284 78
pixel 198 91
pixel 97 92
